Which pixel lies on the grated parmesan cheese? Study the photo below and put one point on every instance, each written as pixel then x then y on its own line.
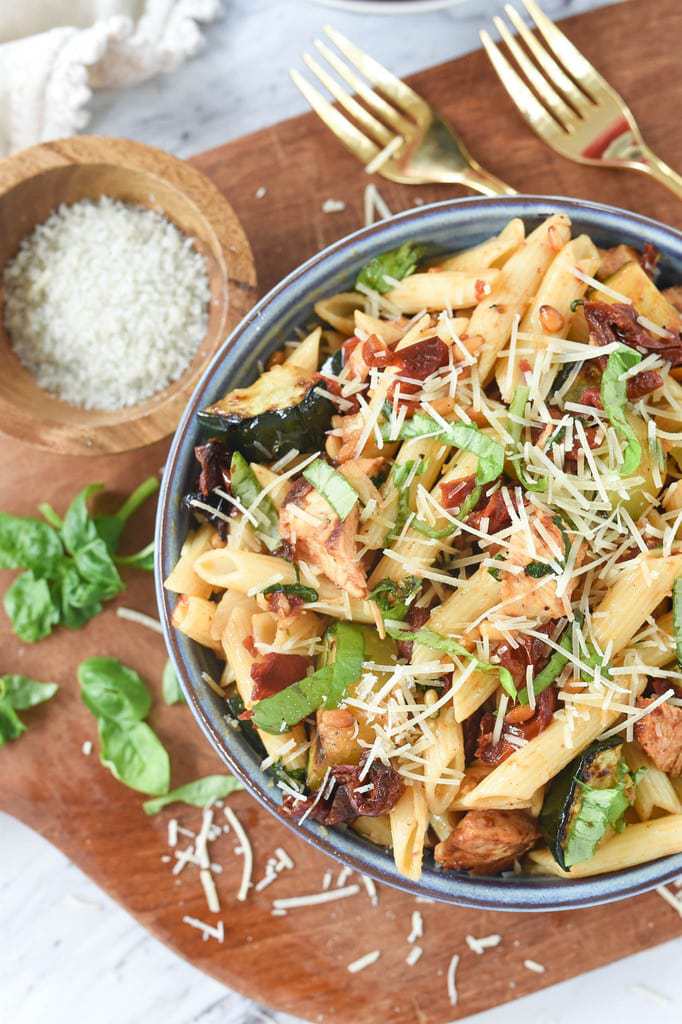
pixel 106 303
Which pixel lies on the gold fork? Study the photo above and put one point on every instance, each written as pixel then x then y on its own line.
pixel 399 134
pixel 587 122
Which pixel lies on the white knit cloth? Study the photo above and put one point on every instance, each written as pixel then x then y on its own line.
pixel 54 52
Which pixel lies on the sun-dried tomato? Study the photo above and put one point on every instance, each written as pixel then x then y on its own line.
pixel 495 510
pixel 637 387
pixel 422 359
pixel 214 458
pixel 375 352
pixel 344 803
pixel 274 672
pixel 617 322
pixel 454 492
pixel 416 617
pixel 529 651
pixel 494 753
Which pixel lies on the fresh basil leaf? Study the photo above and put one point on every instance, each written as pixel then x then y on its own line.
pixel 79 527
pixel 600 811
pixel 433 640
pixel 333 487
pixel 11 726
pixel 78 598
pixel 538 569
pixel 23 692
pixel 170 685
pixel 27 543
pixel 517 408
pixel 113 691
pixel 245 488
pixel 199 793
pixel 95 565
pixel 614 397
pixel 466 436
pixel 134 755
pixel 677 618
pixel 394 599
pixel 325 688
pixel 143 559
pixel 110 528
pixel 31 608
pixel 397 263
pixel 306 594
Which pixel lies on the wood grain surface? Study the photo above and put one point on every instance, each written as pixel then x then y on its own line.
pixel 298 962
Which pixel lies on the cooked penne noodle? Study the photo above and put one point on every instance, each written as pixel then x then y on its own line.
pixel 637 844
pixel 307 352
pixel 654 788
pixel 409 822
pixel 445 289
pixel 491 253
pixel 444 758
pixel 338 311
pixel 183 579
pixel 194 616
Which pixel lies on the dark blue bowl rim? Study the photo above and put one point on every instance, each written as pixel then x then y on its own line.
pixel 517 893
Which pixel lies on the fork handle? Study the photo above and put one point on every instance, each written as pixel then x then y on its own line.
pixel 656 168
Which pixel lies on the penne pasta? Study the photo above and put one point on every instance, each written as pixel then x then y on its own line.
pixel 183 579
pixel 307 352
pixel 445 289
pixel 636 844
pixel 409 822
pixel 491 253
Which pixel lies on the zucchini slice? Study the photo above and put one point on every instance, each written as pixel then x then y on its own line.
pixel 281 410
pixel 586 802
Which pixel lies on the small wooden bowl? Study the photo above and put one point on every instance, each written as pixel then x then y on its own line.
pixel 35 182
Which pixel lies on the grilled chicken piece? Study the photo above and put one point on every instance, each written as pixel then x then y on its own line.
pixel 487 842
pixel 320 538
pixel 527 593
pixel 660 736
pixel 343 447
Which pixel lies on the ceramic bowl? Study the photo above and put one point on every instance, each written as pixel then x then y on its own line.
pixel 449 225
pixel 33 183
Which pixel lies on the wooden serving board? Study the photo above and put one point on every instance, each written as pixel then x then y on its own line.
pixel 297 962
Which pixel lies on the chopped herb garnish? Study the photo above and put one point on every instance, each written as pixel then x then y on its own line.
pixel 396 264
pixel 614 396
pixel 306 594
pixel 466 436
pixel 394 599
pixel 333 487
pixel 246 489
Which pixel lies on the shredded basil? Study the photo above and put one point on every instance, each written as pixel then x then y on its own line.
pixel 428 638
pixel 517 408
pixel 394 599
pixel 307 594
pixel 677 618
pixel 245 487
pixel 325 688
pixel 458 435
pixel 333 487
pixel 397 263
pixel 600 811
pixel 199 793
pixel 401 474
pixel 614 396
pixel 576 303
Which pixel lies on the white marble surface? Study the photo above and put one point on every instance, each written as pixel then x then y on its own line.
pixel 68 953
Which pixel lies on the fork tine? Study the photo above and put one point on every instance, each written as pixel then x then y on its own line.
pixel 562 112
pixel 352 138
pixel 563 48
pixel 401 94
pixel 530 108
pixel 368 122
pixel 552 69
pixel 373 100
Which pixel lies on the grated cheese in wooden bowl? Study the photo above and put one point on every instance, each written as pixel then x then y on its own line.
pixel 106 303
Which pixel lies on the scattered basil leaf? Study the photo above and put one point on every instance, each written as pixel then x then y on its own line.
pixel 24 693
pixel 245 488
pixel 110 528
pixel 142 559
pixel 79 528
pixel 677 618
pixel 394 599
pixel 614 397
pixel 111 690
pixel 95 565
pixel 134 755
pixel 78 599
pixel 306 594
pixel 199 793
pixel 325 688
pixel 458 435
pixel 19 693
pixel 170 685
pixel 333 487
pixel 433 640
pixel 30 608
pixel 397 263
pixel 27 543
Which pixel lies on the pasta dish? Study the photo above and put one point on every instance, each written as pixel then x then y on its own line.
pixel 438 547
